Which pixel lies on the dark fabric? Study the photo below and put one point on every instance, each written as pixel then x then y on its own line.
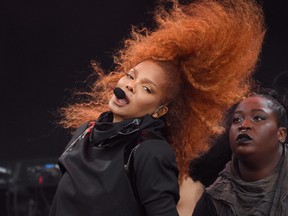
pixel 206 167
pixel 204 207
pixel 233 196
pixel 95 181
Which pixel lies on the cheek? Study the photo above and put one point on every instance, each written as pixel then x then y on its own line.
pixel 145 103
pixel 121 82
pixel 232 136
pixel 270 134
pixel 232 132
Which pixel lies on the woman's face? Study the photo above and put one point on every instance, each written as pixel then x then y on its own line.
pixel 254 130
pixel 144 87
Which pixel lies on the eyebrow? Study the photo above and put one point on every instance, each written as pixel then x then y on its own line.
pixel 253 110
pixel 144 79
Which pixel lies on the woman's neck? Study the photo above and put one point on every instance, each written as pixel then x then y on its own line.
pixel 255 170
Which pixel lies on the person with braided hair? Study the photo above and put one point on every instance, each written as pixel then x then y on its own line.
pixel 157 109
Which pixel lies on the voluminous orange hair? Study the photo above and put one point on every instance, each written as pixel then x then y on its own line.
pixel 214 46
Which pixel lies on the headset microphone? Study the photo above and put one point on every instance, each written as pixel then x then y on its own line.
pixel 119 93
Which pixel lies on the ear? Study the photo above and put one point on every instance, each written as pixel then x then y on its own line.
pixel 162 110
pixel 282 134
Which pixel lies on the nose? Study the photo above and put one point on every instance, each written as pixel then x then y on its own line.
pixel 246 125
pixel 131 86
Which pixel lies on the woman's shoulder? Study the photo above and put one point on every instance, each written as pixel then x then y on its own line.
pixel 155 154
pixel 79 131
pixel 80 128
pixel 190 192
pixel 155 148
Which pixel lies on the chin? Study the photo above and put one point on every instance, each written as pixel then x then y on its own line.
pixel 113 108
pixel 244 152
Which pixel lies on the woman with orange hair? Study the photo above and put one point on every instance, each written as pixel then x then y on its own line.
pixel 157 109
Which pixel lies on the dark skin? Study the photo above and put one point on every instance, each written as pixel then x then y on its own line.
pixel 255 138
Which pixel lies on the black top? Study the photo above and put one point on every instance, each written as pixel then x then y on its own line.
pixel 95 181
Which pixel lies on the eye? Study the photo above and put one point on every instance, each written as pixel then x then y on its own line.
pixel 147 89
pixel 130 76
pixel 236 120
pixel 259 118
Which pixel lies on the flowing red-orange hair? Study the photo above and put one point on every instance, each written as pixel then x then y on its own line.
pixel 210 49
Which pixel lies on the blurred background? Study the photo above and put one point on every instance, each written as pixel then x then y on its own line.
pixel 46 48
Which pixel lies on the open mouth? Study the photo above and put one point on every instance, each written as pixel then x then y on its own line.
pixel 123 101
pixel 242 138
pixel 121 97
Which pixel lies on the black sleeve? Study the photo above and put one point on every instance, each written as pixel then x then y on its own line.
pixel 207 167
pixel 157 178
pixel 205 207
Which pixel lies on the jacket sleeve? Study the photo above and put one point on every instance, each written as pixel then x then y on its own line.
pixel 156 176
